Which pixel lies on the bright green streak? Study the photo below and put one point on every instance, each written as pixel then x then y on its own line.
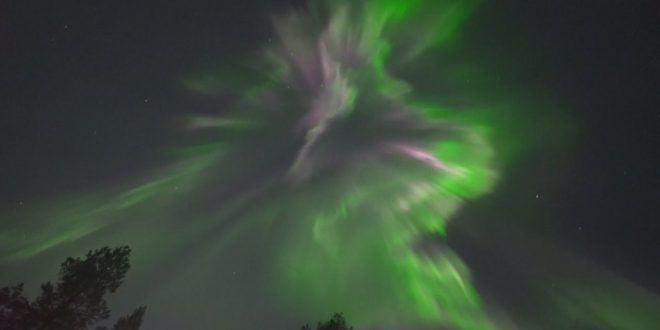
pixel 358 259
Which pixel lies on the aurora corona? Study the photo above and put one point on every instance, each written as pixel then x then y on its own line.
pixel 345 176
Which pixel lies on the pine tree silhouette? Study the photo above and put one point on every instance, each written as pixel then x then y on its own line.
pixel 77 300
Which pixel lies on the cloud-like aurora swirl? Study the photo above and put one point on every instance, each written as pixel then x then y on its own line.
pixel 355 177
pixel 376 175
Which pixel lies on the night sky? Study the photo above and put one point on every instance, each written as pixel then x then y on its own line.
pixel 92 93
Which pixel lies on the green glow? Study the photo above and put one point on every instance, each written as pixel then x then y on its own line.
pixel 68 220
pixel 347 243
pixel 342 241
pixel 335 260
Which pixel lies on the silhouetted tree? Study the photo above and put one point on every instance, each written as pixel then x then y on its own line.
pixel 77 300
pixel 337 322
pixel 130 322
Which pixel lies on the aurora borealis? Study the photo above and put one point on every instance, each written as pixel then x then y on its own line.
pixel 332 173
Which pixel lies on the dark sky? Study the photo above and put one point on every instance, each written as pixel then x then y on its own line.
pixel 602 58
pixel 90 89
pixel 90 92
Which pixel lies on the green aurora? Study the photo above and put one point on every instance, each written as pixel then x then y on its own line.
pixel 344 172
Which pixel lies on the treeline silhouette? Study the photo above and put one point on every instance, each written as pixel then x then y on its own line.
pixel 337 322
pixel 77 300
